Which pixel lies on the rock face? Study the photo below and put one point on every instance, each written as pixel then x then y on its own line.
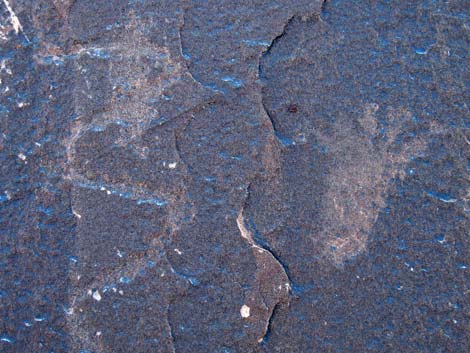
pixel 234 176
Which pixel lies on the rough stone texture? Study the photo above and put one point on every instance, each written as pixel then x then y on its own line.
pixel 234 176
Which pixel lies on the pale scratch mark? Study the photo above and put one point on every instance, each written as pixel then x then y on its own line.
pixel 243 231
pixel 15 21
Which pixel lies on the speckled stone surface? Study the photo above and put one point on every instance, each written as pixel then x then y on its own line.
pixel 225 176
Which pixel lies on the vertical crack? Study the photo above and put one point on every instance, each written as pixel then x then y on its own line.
pixel 315 14
pixel 263 55
pixel 269 324
pixel 246 234
pixel 261 254
pixel 190 73
pixel 170 329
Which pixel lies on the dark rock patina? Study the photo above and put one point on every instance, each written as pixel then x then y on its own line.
pixel 234 176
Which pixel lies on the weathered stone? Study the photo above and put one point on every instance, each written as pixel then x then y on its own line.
pixel 234 176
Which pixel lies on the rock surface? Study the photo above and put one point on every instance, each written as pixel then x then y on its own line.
pixel 234 176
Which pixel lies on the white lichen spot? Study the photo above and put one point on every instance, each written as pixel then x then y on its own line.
pixel 98 333
pixel 4 68
pixel 245 311
pixel 121 292
pixel 179 252
pixel 172 165
pixel 97 295
pixel 76 214
pixel 22 156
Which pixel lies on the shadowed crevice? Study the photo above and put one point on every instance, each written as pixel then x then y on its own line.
pixel 269 323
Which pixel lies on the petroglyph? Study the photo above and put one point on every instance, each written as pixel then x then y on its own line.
pixel 136 73
pixel 356 142
pixel 359 182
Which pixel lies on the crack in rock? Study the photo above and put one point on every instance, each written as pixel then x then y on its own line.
pixel 262 56
pixel 361 153
pixel 116 284
pixel 273 284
